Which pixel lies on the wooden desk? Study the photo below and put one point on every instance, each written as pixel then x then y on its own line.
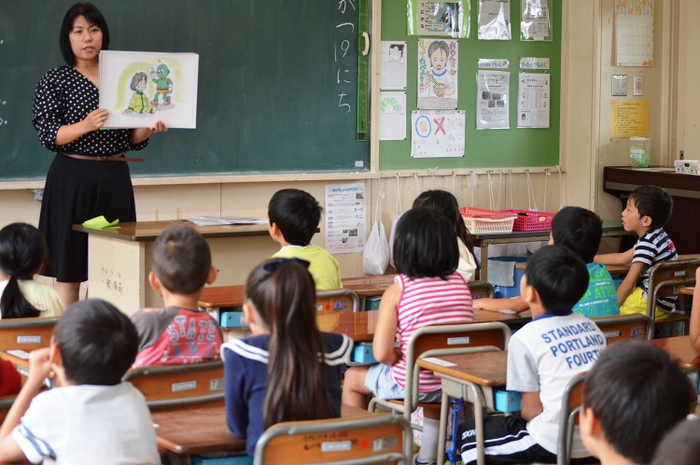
pixel 679 349
pixel 687 290
pixel 120 259
pixel 472 377
pixel 199 430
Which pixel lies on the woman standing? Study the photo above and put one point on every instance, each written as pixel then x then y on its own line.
pixel 89 175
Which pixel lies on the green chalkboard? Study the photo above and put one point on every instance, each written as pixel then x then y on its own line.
pixel 484 148
pixel 274 78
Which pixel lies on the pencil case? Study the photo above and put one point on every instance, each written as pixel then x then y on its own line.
pixel 507 401
pixel 232 319
pixel 362 354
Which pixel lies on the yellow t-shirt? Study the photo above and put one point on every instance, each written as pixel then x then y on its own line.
pixel 323 267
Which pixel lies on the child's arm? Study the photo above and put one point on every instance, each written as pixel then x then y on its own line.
pixel 695 316
pixel 39 368
pixel 630 281
pixel 531 405
pixel 517 304
pixel 622 258
pixel 387 323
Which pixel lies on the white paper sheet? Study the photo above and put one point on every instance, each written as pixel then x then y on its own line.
pixel 394 66
pixel 438 133
pixel 534 95
pixel 346 218
pixel 437 74
pixel 392 116
pixel 535 20
pixel 634 32
pixel 492 99
pixel 494 20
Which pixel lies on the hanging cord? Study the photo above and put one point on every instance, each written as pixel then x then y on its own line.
pixel 415 177
pixel 500 189
pixel 475 178
pixel 454 180
pixel 510 187
pixel 432 173
pixel 530 193
pixel 378 208
pixel 546 178
pixel 399 207
pixel 561 189
pixel 492 203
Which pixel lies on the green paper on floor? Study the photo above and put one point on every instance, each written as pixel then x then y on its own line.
pixel 100 222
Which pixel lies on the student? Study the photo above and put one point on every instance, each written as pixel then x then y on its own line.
pixel 283 353
pixel 427 291
pixel 446 203
pixel 682 445
pixel 293 216
pixel 695 316
pixel 580 230
pixel 648 209
pixel 633 396
pixel 23 252
pixel 179 332
pixel 91 416
pixel 542 357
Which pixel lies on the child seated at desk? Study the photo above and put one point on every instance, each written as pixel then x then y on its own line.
pixel 542 357
pixel 179 332
pixel 695 316
pixel 427 291
pixel 682 445
pixel 90 416
pixel 293 216
pixel 23 251
pixel 648 209
pixel 287 370
pixel 580 230
pixel 632 397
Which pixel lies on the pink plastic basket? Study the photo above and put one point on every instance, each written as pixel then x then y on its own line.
pixel 528 220
pixel 479 220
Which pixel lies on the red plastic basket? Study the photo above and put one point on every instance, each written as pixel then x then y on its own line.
pixel 480 220
pixel 528 220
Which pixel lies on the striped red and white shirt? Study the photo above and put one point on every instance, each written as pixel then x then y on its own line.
pixel 429 301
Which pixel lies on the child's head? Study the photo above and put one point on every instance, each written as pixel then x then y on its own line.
pixel 578 229
pixel 138 80
pixel 654 202
pixel 632 396
pixel 559 277
pixel 296 213
pixel 438 51
pixel 681 446
pixel 181 260
pixel 425 244
pixel 23 251
pixel 96 341
pixel 281 294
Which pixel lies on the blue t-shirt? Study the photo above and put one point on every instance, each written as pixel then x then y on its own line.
pixel 601 297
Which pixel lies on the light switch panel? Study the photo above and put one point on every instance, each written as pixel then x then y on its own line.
pixel 619 85
pixel 639 85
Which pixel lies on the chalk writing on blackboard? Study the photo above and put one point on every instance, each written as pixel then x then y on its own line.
pixel 3 102
pixel 343 60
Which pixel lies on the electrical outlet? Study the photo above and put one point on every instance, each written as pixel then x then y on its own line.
pixel 639 85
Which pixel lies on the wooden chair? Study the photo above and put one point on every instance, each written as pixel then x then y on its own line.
pixel 337 300
pixel 624 327
pixel 666 279
pixel 437 340
pixel 172 386
pixel 26 333
pixel 368 439
pixel 481 289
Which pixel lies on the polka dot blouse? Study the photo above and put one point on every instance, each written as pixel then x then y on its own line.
pixel 64 96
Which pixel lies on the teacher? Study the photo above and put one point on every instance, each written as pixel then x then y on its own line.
pixel 89 175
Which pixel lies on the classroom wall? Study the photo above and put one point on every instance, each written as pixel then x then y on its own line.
pixel 586 146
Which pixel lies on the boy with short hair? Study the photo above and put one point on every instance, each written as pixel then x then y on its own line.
pixel 91 416
pixel 632 397
pixel 648 209
pixel 580 230
pixel 542 357
pixel 178 333
pixel 293 216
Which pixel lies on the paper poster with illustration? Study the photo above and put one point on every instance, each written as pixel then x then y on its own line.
pixel 437 74
pixel 438 134
pixel 140 88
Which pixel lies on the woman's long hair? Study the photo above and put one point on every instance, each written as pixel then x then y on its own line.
pixel 22 253
pixel 284 295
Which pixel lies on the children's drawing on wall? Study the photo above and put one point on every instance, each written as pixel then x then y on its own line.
pixel 437 74
pixel 140 88
pixel 438 134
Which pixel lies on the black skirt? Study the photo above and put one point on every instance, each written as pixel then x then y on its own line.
pixel 75 191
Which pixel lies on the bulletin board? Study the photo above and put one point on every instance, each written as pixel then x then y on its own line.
pixel 514 147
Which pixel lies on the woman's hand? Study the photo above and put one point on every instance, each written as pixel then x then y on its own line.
pixel 139 135
pixel 95 119
pixel 92 122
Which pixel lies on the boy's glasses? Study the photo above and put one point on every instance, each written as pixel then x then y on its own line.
pixel 272 266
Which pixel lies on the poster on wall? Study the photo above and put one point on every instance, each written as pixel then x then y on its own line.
pixel 437 133
pixel 392 116
pixel 394 65
pixel 534 98
pixel 346 218
pixel 492 108
pixel 634 32
pixel 437 74
pixel 494 20
pixel 140 88
pixel 426 18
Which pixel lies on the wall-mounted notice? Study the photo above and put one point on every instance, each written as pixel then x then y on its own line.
pixel 438 19
pixel 629 118
pixel 437 134
pixel 346 218
pixel 534 95
pixel 494 20
pixel 437 74
pixel 392 116
pixel 492 99
pixel 634 32
pixel 393 72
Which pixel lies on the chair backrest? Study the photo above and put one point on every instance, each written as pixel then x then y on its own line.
pixel 170 386
pixel 624 327
pixel 667 278
pixel 480 289
pixel 337 300
pixel 369 439
pixel 568 417
pixel 26 333
pixel 437 340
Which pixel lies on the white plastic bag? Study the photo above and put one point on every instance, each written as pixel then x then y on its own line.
pixel 376 255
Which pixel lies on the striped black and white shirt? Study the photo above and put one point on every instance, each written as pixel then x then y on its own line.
pixel 654 247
